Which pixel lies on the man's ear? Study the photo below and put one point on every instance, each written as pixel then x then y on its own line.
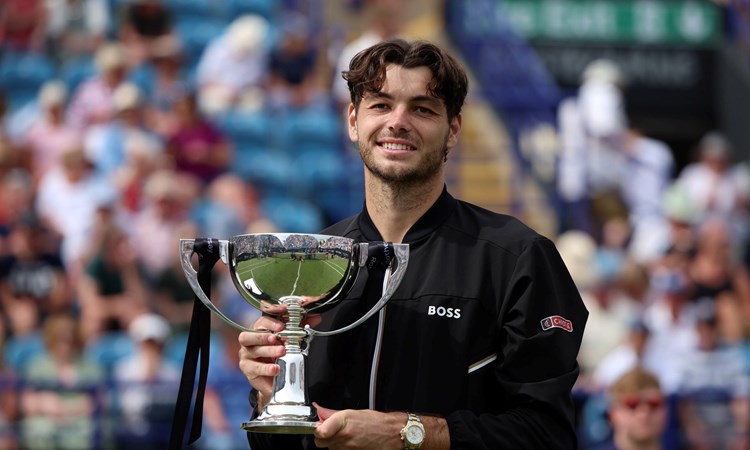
pixel 351 120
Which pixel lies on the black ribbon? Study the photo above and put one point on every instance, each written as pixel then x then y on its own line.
pixel 197 348
pixel 379 256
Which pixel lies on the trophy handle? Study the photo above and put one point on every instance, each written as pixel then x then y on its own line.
pixel 392 280
pixel 186 254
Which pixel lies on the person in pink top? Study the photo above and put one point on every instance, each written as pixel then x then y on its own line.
pixel 49 136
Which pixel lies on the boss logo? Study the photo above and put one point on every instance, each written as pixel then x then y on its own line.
pixel 451 313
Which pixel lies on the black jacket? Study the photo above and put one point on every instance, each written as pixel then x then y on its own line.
pixel 484 330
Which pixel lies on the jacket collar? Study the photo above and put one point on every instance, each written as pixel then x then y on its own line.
pixel 424 226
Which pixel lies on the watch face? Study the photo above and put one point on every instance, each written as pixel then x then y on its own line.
pixel 414 434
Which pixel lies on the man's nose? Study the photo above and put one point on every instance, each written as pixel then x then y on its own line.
pixel 399 119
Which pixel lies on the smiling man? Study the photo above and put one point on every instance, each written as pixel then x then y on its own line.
pixel 477 347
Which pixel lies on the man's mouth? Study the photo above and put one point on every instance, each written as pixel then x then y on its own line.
pixel 397 147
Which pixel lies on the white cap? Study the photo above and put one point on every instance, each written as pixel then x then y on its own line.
pixel 110 56
pixel 149 327
pixel 126 96
pixel 247 33
pixel 53 93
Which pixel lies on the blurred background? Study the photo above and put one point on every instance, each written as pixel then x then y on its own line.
pixel 617 128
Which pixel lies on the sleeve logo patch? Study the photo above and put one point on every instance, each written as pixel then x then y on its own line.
pixel 557 322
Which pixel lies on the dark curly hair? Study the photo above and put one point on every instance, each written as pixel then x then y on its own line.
pixel 367 71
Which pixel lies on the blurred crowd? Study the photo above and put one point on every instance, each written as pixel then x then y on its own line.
pixel 128 124
pixel 124 126
pixel 660 255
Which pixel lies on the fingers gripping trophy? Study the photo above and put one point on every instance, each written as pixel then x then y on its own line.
pixel 290 275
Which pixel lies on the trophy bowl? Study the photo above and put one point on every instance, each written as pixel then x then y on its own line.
pixel 290 275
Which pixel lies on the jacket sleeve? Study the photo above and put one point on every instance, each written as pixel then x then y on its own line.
pixel 540 324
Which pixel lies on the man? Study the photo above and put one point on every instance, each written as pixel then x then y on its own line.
pixel 497 373
pixel 637 411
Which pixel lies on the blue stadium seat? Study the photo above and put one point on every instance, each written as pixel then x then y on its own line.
pixel 293 215
pixel 265 8
pixel 22 74
pixel 247 129
pixel 267 169
pixel 110 348
pixel 311 128
pixel 195 34
pixel 316 168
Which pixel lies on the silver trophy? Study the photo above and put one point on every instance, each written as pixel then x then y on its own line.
pixel 290 275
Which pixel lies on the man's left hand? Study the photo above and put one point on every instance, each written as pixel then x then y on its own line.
pixel 359 429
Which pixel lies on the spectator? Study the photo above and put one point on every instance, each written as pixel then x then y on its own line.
pixel 167 198
pixel 712 185
pixel 49 135
pixel 16 200
pixel 67 202
pixel 293 76
pixel 144 21
pixel 714 389
pixel 197 147
pixel 146 386
pixel 76 28
pixel 61 391
pixel 717 273
pixel 111 291
pixel 383 20
pixel 22 25
pixel 32 273
pixel 165 82
pixel 591 125
pixel 233 68
pixel 637 411
pixel 92 101
pixel 625 357
pixel 107 144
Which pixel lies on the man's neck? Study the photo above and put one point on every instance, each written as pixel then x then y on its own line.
pixel 394 208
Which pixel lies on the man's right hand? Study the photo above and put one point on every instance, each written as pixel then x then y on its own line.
pixel 259 351
pixel 258 354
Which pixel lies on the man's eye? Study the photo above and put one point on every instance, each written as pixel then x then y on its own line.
pixel 379 106
pixel 423 110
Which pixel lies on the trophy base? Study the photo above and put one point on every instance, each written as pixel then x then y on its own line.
pixel 279 426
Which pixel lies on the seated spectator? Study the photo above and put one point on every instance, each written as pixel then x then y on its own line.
pixel 168 196
pixel 197 147
pixel 637 411
pixel 49 135
pixel 233 67
pixel 23 25
pixel 67 202
pixel 16 200
pixel 106 144
pixel 61 391
pixel 714 388
pixel 92 101
pixel 146 386
pixel 111 291
pixel 293 81
pixel 165 83
pixel 716 273
pixel 76 28
pixel 143 22
pixel 31 272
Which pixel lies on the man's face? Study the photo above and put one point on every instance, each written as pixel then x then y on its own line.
pixel 641 418
pixel 402 132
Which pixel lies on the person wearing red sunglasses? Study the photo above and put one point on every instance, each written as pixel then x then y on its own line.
pixel 637 411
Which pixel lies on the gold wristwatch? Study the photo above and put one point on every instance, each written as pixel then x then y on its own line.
pixel 413 432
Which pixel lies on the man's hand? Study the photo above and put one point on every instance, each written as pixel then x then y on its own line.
pixel 259 351
pixel 359 429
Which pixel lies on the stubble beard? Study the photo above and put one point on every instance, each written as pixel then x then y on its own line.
pixel 427 170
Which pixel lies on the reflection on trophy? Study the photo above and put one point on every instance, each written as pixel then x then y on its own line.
pixel 289 276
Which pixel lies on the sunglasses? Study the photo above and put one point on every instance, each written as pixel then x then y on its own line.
pixel 632 402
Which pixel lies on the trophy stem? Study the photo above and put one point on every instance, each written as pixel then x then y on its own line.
pixel 289 410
